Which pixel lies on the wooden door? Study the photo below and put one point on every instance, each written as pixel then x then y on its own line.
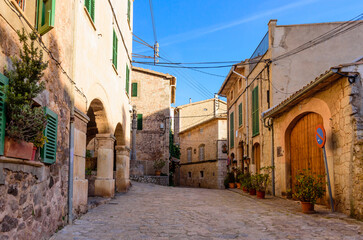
pixel 256 155
pixel 304 152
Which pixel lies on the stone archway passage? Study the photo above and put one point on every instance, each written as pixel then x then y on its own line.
pixel 304 153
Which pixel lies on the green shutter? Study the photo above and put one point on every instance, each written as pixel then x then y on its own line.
pixel 139 121
pixel 114 49
pixel 127 79
pixel 128 10
pixel 255 112
pixel 240 114
pixel 134 90
pixel 231 121
pixel 3 82
pixel 49 150
pixel 92 10
pixel 45 16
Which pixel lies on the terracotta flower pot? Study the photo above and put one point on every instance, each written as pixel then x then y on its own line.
pixel 231 185
pixel 238 185
pixel 245 189
pixel 33 153
pixel 157 173
pixel 18 149
pixel 261 194
pixel 252 191
pixel 307 207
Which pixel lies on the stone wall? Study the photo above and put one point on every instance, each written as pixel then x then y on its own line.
pixel 159 180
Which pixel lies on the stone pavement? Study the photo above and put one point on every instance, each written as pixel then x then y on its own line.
pixel 156 212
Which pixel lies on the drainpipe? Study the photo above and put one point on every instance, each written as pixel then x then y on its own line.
pixel 272 157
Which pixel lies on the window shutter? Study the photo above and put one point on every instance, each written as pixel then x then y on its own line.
pixel 114 49
pixel 49 150
pixel 255 114
pixel 134 89
pixel 127 79
pixel 139 121
pixel 92 7
pixel 3 82
pixel 232 130
pixel 45 16
pixel 240 114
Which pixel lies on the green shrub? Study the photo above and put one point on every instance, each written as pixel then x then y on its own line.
pixel 309 188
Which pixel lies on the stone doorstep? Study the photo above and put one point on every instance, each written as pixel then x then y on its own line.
pixel 93 202
pixel 293 206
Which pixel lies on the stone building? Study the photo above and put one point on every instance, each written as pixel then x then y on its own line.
pixel 86 92
pixel 152 93
pixel 334 100
pixel 201 131
pixel 287 58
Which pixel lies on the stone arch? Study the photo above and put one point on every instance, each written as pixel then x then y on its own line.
pixel 98 119
pixel 120 135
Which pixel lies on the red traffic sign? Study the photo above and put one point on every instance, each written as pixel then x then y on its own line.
pixel 320 135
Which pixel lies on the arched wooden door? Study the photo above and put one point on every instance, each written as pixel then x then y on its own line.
pixel 304 152
pixel 257 157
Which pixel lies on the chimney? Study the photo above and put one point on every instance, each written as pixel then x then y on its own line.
pixel 190 100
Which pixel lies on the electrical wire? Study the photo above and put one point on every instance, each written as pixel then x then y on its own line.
pixel 153 19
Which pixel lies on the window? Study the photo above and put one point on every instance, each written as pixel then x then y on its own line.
pixel 90 5
pixel 255 114
pixel 114 49
pixel 189 155
pixel 231 126
pixel 139 121
pixel 232 95
pixel 127 79
pixel 189 174
pixel 49 150
pixel 21 4
pixel 240 114
pixel 3 82
pixel 239 83
pixel 201 174
pixel 45 16
pixel 128 10
pixel 134 90
pixel 201 152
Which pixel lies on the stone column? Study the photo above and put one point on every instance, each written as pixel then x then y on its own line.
pixel 105 184
pixel 122 168
pixel 80 184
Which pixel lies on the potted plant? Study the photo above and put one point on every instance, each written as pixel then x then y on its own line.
pixel 252 188
pixel 246 182
pixel 25 123
pixel 289 193
pixel 239 177
pixel 308 189
pixel 262 181
pixel 231 180
pixel 158 165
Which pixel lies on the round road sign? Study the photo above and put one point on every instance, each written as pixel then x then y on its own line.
pixel 320 135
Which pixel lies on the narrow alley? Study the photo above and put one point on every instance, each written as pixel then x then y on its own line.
pixel 157 212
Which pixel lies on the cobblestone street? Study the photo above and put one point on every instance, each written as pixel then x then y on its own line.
pixel 156 212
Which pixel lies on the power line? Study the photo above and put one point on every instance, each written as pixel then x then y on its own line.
pixel 153 20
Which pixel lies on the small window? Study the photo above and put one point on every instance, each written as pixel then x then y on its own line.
pixel 240 83
pixel 201 130
pixel 201 152
pixel 240 114
pixel 90 5
pixel 45 16
pixel 189 174
pixel 255 112
pixel 232 95
pixel 189 155
pixel 139 121
pixel 134 90
pixel 231 133
pixel 49 150
pixel 21 4
pixel 201 174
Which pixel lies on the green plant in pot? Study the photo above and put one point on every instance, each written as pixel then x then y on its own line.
pixel 158 165
pixel 252 184
pixel 308 189
pixel 246 182
pixel 262 181
pixel 25 123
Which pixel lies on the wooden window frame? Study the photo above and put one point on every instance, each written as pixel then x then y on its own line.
pixel 255 113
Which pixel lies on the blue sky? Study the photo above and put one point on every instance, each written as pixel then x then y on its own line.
pixel 224 30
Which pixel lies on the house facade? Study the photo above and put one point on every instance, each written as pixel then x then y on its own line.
pixel 333 100
pixel 201 133
pixel 87 97
pixel 287 58
pixel 152 94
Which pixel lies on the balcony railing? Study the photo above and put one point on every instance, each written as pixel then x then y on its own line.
pixel 259 52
